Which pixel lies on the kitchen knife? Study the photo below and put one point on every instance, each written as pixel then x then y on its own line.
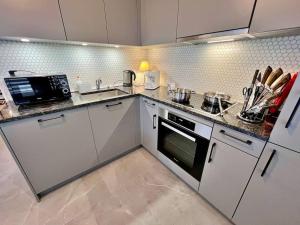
pixel 281 81
pixel 273 76
pixel 266 74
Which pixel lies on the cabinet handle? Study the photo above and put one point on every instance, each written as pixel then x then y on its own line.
pixel 268 163
pixel 154 122
pixel 210 154
pixel 248 142
pixel 54 118
pixel 293 114
pixel 148 103
pixel 119 103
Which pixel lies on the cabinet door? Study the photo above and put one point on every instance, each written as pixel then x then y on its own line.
pixel 158 21
pixel 53 148
pixel 286 131
pixel 31 18
pixel 274 197
pixel 274 15
pixel 84 20
pixel 116 127
pixel 207 16
pixel 149 125
pixel 226 173
pixel 122 21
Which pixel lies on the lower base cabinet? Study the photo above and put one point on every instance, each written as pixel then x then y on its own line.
pixel 272 196
pixel 52 148
pixel 115 127
pixel 149 118
pixel 226 173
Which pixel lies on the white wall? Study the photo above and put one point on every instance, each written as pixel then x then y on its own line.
pixel 90 63
pixel 225 67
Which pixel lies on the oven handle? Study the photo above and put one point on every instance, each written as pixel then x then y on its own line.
pixel 179 132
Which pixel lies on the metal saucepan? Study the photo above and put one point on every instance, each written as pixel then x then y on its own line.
pixel 213 98
pixel 181 95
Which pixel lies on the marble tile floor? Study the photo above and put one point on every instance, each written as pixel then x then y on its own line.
pixel 136 189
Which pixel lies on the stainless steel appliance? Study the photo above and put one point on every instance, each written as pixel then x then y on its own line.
pixel 128 77
pixel 183 141
pixel 215 103
pixel 181 95
pixel 36 89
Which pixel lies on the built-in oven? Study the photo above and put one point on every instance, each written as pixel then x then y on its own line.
pixel 183 141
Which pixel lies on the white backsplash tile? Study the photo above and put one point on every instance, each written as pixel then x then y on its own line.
pixel 225 67
pixel 90 63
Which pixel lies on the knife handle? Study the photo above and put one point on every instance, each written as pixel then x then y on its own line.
pixel 273 76
pixel 266 74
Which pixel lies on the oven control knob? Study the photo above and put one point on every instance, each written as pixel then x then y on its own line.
pixel 63 83
pixel 65 90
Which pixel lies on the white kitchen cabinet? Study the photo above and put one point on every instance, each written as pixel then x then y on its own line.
pixel 122 21
pixel 115 127
pixel 31 18
pixel 52 148
pixel 272 15
pixel 158 21
pixel 149 118
pixel 286 131
pixel 84 20
pixel 273 197
pixel 206 16
pixel 226 173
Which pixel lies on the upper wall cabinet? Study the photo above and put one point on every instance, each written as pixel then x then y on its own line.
pixel 122 21
pixel 158 21
pixel 275 14
pixel 84 20
pixel 206 16
pixel 31 18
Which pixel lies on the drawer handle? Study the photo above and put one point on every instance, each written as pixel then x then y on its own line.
pixel 268 163
pixel 248 142
pixel 111 105
pixel 154 122
pixel 293 114
pixel 210 154
pixel 148 103
pixel 54 118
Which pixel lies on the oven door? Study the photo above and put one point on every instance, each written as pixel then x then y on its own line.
pixel 183 147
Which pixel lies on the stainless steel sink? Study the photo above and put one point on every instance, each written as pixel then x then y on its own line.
pixel 103 94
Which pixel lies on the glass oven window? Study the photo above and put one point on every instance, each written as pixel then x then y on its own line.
pixel 180 147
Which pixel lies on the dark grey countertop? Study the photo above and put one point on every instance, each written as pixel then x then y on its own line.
pixel 11 113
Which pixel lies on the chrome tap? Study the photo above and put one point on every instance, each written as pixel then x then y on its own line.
pixel 98 83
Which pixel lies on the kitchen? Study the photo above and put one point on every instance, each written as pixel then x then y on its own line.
pixel 184 117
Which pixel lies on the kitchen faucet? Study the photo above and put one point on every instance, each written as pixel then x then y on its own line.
pixel 98 83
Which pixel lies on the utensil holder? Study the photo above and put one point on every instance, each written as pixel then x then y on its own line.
pixel 253 117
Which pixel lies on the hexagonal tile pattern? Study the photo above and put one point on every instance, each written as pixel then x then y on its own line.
pixel 88 62
pixel 225 67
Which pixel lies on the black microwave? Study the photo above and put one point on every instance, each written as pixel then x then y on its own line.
pixel 37 89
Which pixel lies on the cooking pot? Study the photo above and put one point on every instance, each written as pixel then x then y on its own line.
pixel 181 95
pixel 213 97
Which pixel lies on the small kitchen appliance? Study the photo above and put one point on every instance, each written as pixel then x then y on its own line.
pixel 151 80
pixel 35 89
pixel 128 78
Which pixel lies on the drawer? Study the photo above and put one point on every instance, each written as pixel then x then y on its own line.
pixel 244 142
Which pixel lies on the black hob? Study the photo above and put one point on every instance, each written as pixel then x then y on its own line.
pixel 197 101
